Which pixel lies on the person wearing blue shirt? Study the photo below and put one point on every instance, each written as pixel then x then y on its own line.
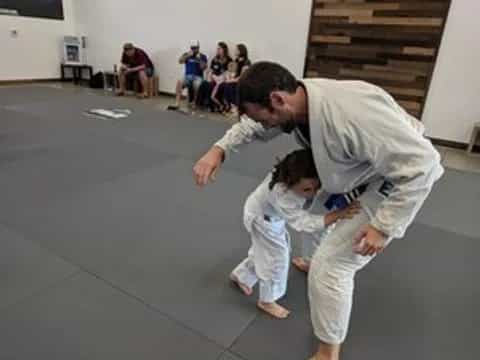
pixel 195 63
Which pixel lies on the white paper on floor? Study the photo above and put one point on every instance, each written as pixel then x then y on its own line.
pixel 106 114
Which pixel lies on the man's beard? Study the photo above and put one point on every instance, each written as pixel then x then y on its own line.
pixel 289 126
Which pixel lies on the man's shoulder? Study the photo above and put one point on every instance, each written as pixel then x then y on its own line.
pixel 345 93
pixel 337 84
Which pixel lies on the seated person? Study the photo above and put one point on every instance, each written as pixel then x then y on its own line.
pixel 195 64
pixel 216 75
pixel 229 76
pixel 228 90
pixel 136 65
pixel 219 70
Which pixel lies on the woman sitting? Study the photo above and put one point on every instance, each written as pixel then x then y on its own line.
pixel 216 76
pixel 227 91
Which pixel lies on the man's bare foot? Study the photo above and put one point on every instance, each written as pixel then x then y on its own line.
pixel 319 356
pixel 245 289
pixel 274 309
pixel 301 264
pixel 327 352
pixel 142 96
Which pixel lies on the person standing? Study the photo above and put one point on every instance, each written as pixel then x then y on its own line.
pixel 280 200
pixel 360 137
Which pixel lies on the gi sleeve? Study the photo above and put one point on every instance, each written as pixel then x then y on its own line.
pixel 290 207
pixel 244 132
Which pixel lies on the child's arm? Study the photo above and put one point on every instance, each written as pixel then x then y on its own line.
pixel 347 213
pixel 290 207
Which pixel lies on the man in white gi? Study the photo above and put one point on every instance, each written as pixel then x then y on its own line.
pixel 359 136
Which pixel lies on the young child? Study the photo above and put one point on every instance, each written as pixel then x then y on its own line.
pixel 279 200
pixel 232 69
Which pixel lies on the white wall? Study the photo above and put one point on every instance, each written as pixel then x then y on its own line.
pixel 36 52
pixel 272 29
pixel 453 103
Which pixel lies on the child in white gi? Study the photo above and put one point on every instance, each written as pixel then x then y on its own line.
pixel 279 200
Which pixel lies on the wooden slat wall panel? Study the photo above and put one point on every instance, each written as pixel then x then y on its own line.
pixel 391 43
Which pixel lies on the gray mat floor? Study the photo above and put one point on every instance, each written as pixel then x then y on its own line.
pixel 109 251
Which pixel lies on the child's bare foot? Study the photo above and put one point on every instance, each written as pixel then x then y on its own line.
pixel 301 264
pixel 245 289
pixel 274 309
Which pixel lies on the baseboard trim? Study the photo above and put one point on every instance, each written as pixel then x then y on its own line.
pixel 166 93
pixel 27 81
pixel 450 144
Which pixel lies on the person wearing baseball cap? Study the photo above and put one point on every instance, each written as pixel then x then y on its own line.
pixel 195 64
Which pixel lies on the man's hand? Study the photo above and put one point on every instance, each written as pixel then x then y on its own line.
pixel 206 168
pixel 369 241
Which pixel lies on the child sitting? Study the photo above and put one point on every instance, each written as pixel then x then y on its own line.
pixel 279 200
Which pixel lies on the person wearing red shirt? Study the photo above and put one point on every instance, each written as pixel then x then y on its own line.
pixel 137 65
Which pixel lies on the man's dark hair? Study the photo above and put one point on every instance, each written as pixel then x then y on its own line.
pixel 297 165
pixel 128 46
pixel 259 80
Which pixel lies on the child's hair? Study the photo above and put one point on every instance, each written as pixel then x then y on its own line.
pixel 292 168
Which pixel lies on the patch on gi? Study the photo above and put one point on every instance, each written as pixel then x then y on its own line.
pixel 386 188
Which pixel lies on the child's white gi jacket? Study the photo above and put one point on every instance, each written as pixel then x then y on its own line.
pixel 281 205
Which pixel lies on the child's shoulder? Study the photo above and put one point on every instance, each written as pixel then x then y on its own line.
pixel 280 192
pixel 277 188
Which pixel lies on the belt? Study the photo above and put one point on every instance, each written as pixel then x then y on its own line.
pixel 341 201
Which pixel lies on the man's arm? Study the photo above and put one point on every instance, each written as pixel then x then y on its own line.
pixel 137 68
pixel 244 132
pixel 240 134
pixel 184 57
pixel 203 62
